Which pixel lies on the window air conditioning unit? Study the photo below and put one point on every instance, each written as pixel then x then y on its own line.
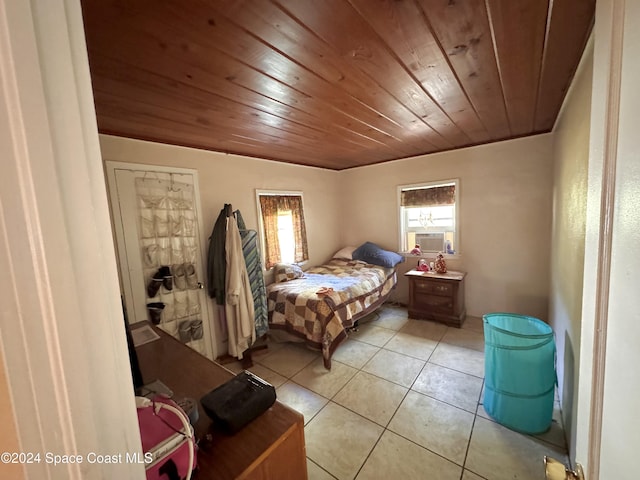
pixel 430 242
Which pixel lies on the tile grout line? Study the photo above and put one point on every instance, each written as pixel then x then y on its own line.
pixel 473 425
pixel 385 427
pixel 408 390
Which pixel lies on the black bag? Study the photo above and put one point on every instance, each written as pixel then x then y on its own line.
pixel 237 402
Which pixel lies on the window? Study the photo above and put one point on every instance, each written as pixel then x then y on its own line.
pixel 428 216
pixel 283 232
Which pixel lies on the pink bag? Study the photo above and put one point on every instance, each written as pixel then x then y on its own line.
pixel 168 442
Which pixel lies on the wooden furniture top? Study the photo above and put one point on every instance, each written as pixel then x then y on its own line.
pixel 189 374
pixel 450 275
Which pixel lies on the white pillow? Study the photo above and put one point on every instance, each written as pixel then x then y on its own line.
pixel 346 253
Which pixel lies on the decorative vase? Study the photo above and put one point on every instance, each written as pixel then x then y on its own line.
pixel 441 264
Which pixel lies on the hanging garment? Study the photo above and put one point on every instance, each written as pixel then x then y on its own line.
pixel 251 254
pixel 216 260
pixel 239 298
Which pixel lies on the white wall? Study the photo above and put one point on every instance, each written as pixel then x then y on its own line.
pixel 571 160
pixel 607 436
pixel 505 214
pixel 62 336
pixel 505 218
pixel 622 382
pixel 234 179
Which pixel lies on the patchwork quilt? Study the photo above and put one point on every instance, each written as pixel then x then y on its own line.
pixel 320 306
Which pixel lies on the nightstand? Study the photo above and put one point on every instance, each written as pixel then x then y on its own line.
pixel 437 296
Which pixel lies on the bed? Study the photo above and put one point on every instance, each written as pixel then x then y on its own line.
pixel 319 305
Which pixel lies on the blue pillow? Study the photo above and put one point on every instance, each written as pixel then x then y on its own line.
pixel 371 253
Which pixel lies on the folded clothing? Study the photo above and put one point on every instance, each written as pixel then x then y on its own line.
pixel 325 291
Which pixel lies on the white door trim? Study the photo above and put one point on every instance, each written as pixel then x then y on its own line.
pixel 609 36
pixel 111 166
pixel 612 115
pixel 63 340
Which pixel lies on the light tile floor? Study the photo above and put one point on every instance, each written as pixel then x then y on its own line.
pixel 403 399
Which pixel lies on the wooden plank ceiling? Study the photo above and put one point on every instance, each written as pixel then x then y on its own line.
pixel 332 83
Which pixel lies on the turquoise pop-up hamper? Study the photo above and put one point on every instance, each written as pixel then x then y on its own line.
pixel 520 373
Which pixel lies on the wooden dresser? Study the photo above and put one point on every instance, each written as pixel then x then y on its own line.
pixel 270 447
pixel 436 296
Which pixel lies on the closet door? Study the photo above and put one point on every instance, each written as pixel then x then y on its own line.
pixel 158 229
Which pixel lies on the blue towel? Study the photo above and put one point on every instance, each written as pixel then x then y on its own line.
pixel 251 252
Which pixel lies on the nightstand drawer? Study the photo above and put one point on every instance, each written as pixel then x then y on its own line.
pixel 434 287
pixel 434 303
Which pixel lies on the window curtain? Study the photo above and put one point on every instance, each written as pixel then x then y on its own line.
pixel 294 204
pixel 428 197
pixel 271 206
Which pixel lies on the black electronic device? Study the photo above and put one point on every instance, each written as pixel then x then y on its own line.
pixel 237 402
pixel 136 373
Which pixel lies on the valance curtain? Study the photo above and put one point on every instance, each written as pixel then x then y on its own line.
pixel 429 196
pixel 272 206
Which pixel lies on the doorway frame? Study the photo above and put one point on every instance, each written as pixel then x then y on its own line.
pixel 64 354
pixel 110 167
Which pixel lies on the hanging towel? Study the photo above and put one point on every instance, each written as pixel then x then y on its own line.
pixel 239 298
pixel 253 263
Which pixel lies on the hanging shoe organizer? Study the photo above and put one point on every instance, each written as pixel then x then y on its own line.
pixel 167 235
